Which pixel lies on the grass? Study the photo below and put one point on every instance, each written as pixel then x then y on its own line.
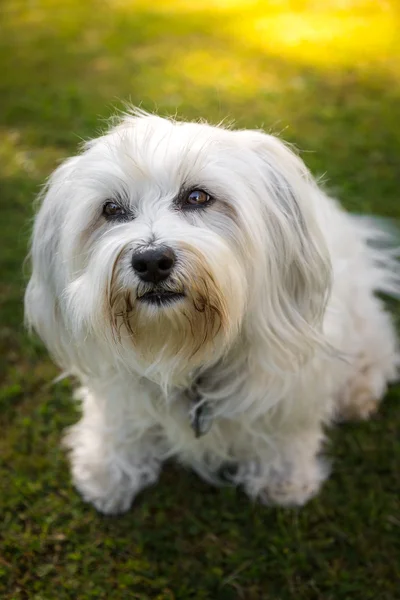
pixel 328 80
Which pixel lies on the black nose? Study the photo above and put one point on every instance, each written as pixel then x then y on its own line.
pixel 154 265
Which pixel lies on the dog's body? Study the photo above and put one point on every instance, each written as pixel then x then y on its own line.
pixel 215 304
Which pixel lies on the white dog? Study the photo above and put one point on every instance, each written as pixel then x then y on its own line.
pixel 215 305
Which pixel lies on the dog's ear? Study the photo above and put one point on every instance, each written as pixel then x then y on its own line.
pixel 297 270
pixel 42 310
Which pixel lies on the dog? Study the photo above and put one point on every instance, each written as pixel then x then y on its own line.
pixel 215 304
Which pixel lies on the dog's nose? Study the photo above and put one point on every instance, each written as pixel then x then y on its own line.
pixel 154 265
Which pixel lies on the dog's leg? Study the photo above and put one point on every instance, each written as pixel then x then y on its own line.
pixel 114 453
pixel 375 367
pixel 363 393
pixel 290 473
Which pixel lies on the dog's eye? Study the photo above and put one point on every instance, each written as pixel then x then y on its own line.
pixel 113 209
pixel 197 198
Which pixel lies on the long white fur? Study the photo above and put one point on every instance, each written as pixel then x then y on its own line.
pixel 301 337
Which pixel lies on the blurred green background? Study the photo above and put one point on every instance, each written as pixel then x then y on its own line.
pixel 323 74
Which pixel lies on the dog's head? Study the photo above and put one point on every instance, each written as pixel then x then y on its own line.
pixel 163 243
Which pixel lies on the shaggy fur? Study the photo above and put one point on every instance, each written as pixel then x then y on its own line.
pixel 279 331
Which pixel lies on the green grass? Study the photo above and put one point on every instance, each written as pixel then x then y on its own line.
pixel 329 80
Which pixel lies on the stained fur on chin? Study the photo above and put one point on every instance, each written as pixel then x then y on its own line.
pixel 181 335
pixel 275 320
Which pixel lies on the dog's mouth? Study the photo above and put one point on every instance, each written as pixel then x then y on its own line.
pixel 160 297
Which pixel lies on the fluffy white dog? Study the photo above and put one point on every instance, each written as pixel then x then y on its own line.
pixel 214 303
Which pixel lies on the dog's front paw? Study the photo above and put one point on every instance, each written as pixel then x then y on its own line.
pixel 109 488
pixel 287 492
pixel 109 502
pixel 294 487
pixel 289 485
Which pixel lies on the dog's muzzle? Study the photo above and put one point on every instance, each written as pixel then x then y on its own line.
pixel 154 266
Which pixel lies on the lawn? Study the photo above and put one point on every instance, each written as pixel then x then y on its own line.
pixel 326 79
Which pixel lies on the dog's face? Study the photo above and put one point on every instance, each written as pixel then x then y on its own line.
pixel 165 241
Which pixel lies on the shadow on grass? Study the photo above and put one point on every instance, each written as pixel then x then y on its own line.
pixel 184 539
